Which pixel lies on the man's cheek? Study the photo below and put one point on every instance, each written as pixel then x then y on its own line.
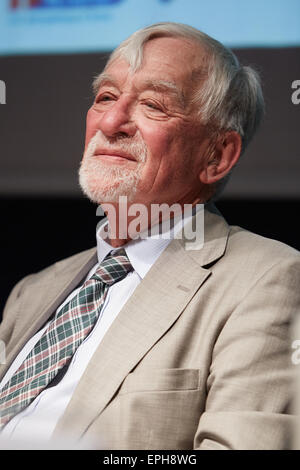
pixel 91 127
pixel 153 133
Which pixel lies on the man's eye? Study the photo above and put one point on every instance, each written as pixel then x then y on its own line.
pixel 104 98
pixel 154 106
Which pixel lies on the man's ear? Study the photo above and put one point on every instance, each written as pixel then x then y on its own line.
pixel 226 153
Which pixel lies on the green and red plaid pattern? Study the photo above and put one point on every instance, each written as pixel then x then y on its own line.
pixel 69 327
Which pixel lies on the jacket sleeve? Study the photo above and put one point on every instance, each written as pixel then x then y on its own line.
pixel 250 385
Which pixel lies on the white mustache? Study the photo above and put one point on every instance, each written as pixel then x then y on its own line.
pixel 136 148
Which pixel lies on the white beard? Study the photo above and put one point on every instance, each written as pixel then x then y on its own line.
pixel 106 183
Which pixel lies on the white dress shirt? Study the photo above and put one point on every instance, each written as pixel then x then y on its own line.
pixel 38 420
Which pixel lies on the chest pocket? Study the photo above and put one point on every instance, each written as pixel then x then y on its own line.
pixel 150 380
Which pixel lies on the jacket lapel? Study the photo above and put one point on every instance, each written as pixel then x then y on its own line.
pixel 152 309
pixel 40 300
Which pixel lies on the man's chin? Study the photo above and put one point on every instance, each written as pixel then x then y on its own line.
pixel 102 186
pixel 108 194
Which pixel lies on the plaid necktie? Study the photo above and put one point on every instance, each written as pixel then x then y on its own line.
pixel 69 327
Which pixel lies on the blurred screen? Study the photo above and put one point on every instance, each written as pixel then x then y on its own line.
pixel 67 26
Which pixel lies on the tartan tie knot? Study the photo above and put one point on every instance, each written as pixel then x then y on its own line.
pixel 113 268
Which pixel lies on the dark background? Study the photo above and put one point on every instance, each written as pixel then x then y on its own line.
pixel 39 231
pixel 44 216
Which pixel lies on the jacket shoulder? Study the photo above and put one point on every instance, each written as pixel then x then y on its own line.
pixel 252 243
pixel 71 263
pixel 252 254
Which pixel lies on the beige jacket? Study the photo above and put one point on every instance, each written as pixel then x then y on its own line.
pixel 199 357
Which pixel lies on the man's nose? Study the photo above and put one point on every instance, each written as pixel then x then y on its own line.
pixel 117 120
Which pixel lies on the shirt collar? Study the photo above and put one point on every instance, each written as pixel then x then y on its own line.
pixel 143 252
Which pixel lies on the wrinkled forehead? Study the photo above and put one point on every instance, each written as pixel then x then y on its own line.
pixel 132 49
pixel 173 60
pixel 180 49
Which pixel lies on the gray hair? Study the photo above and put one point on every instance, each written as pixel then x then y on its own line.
pixel 230 96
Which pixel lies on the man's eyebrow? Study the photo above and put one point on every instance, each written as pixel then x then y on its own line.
pixel 102 78
pixel 164 86
pixel 160 86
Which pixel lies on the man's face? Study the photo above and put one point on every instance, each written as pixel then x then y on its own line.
pixel 143 137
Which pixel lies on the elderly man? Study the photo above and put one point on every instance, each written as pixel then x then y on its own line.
pixel 150 342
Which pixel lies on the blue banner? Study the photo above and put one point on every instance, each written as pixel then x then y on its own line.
pixel 64 26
